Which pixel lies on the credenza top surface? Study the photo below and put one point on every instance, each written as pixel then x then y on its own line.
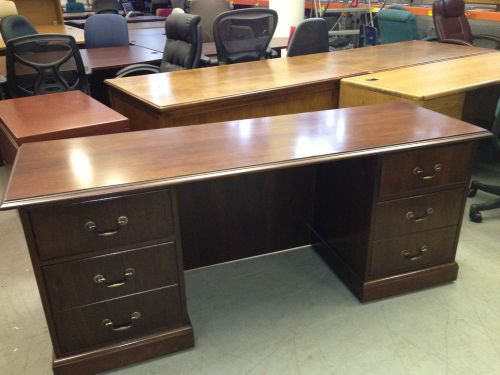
pixel 177 89
pixel 430 81
pixel 96 166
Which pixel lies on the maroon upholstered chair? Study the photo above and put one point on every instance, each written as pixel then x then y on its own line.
pixel 452 25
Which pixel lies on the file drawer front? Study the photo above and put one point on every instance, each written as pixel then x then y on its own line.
pixel 103 224
pixel 424 212
pixel 110 276
pixel 407 253
pixel 413 170
pixel 120 319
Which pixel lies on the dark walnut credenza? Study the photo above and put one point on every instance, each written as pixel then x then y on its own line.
pixel 113 221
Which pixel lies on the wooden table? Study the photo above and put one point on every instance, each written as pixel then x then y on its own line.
pixel 80 23
pixel 262 88
pixel 441 86
pixel 382 207
pixel 55 29
pixel 77 16
pixel 54 116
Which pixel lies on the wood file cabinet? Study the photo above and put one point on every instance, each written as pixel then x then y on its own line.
pixel 399 231
pixel 110 275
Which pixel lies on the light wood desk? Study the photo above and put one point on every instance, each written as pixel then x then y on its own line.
pixel 133 210
pixel 262 88
pixel 76 33
pixel 441 86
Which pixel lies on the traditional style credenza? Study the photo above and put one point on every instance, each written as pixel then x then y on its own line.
pixel 112 221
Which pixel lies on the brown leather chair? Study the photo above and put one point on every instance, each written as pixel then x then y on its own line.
pixel 452 25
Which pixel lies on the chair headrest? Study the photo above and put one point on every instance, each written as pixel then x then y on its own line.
pixel 180 26
pixel 451 8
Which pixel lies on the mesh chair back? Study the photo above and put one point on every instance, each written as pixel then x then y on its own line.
pixel 184 42
pixel 7 8
pixel 310 36
pixel 106 30
pixel 106 6
pixel 16 26
pixel 244 34
pixel 43 64
pixel 396 25
pixel 74 8
pixel 128 8
pixel 208 10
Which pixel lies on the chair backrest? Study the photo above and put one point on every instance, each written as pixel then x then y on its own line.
pixel 178 4
pixel 244 34
pixel 164 12
pixel 7 8
pixel 450 21
pixel 208 10
pixel 157 4
pixel 397 25
pixel 106 30
pixel 15 26
pixel 128 8
pixel 106 6
pixel 310 36
pixel 184 42
pixel 368 36
pixel 74 8
pixel 44 64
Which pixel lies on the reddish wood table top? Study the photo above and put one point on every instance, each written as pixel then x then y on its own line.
pixel 110 57
pixel 60 115
pixel 49 171
pixel 80 23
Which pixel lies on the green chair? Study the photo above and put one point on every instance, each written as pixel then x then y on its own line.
pixel 397 25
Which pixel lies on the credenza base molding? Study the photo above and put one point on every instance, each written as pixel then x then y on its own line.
pixel 125 353
pixel 370 290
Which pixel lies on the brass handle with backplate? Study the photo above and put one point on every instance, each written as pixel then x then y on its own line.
pixel 92 226
pixel 410 215
pixel 108 323
pixel 419 172
pixel 100 279
pixel 406 254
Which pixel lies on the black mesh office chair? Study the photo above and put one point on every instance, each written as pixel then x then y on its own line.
pixel 475 209
pixel 43 64
pixel 182 50
pixel 106 6
pixel 310 36
pixel 244 34
pixel 15 26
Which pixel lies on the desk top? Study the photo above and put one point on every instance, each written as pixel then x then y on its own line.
pixel 77 33
pixel 429 81
pixel 183 88
pixel 109 58
pixel 95 166
pixel 77 15
pixel 80 22
pixel 60 115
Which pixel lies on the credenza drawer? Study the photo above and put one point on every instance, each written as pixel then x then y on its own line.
pixel 413 170
pixel 102 224
pixel 110 276
pixel 423 212
pixel 119 319
pixel 407 253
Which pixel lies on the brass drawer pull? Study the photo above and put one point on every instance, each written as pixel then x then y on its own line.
pixel 100 279
pixel 108 323
pixel 419 172
pixel 406 254
pixel 91 226
pixel 410 215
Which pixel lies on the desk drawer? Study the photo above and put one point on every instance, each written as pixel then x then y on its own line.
pixel 110 276
pixel 103 224
pixel 415 214
pixel 413 170
pixel 413 252
pixel 119 319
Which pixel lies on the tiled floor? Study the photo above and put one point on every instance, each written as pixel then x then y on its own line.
pixel 287 313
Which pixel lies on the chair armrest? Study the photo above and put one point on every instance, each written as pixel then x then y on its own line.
pixel 137 68
pixel 431 38
pixel 456 41
pixel 488 37
pixel 88 70
pixel 3 80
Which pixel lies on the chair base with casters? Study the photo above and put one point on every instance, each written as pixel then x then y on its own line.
pixel 475 209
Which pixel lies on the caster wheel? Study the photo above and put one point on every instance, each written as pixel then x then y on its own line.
pixel 474 214
pixel 472 190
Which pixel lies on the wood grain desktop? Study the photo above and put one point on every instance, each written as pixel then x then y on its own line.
pixel 76 33
pixel 262 88
pixel 109 215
